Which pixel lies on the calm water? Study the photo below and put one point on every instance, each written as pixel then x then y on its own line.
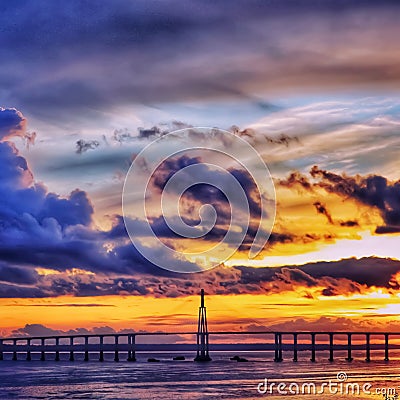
pixel 219 379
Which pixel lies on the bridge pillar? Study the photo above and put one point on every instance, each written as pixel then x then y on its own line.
pixel 331 347
pixel 57 349
pixel 312 359
pixel 386 347
pixel 294 347
pixel 43 354
pixel 116 356
pixel 71 349
pixel 1 350
pixel 349 357
pixel 86 348
pixel 367 348
pixel 202 332
pixel 101 354
pixel 276 347
pixel 131 348
pixel 28 350
pixel 15 357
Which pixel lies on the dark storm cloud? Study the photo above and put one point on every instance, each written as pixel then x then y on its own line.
pixel 20 195
pixel 49 246
pixel 216 234
pixel 40 228
pixel 374 190
pixel 387 229
pixel 338 277
pixel 201 194
pixel 206 193
pixel 26 204
pixel 21 291
pixel 17 275
pixel 86 56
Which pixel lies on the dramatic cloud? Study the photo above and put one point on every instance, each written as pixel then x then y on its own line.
pixel 18 275
pixel 331 278
pixel 197 195
pixel 374 191
pixel 43 229
pixel 206 193
pixel 345 277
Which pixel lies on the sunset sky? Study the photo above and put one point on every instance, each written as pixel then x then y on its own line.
pixel 312 85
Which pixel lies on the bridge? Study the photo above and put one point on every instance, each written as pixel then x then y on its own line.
pixel 94 346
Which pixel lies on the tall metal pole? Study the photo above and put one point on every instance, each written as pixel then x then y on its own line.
pixel 202 332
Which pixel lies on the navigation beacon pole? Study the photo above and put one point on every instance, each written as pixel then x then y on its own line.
pixel 202 332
